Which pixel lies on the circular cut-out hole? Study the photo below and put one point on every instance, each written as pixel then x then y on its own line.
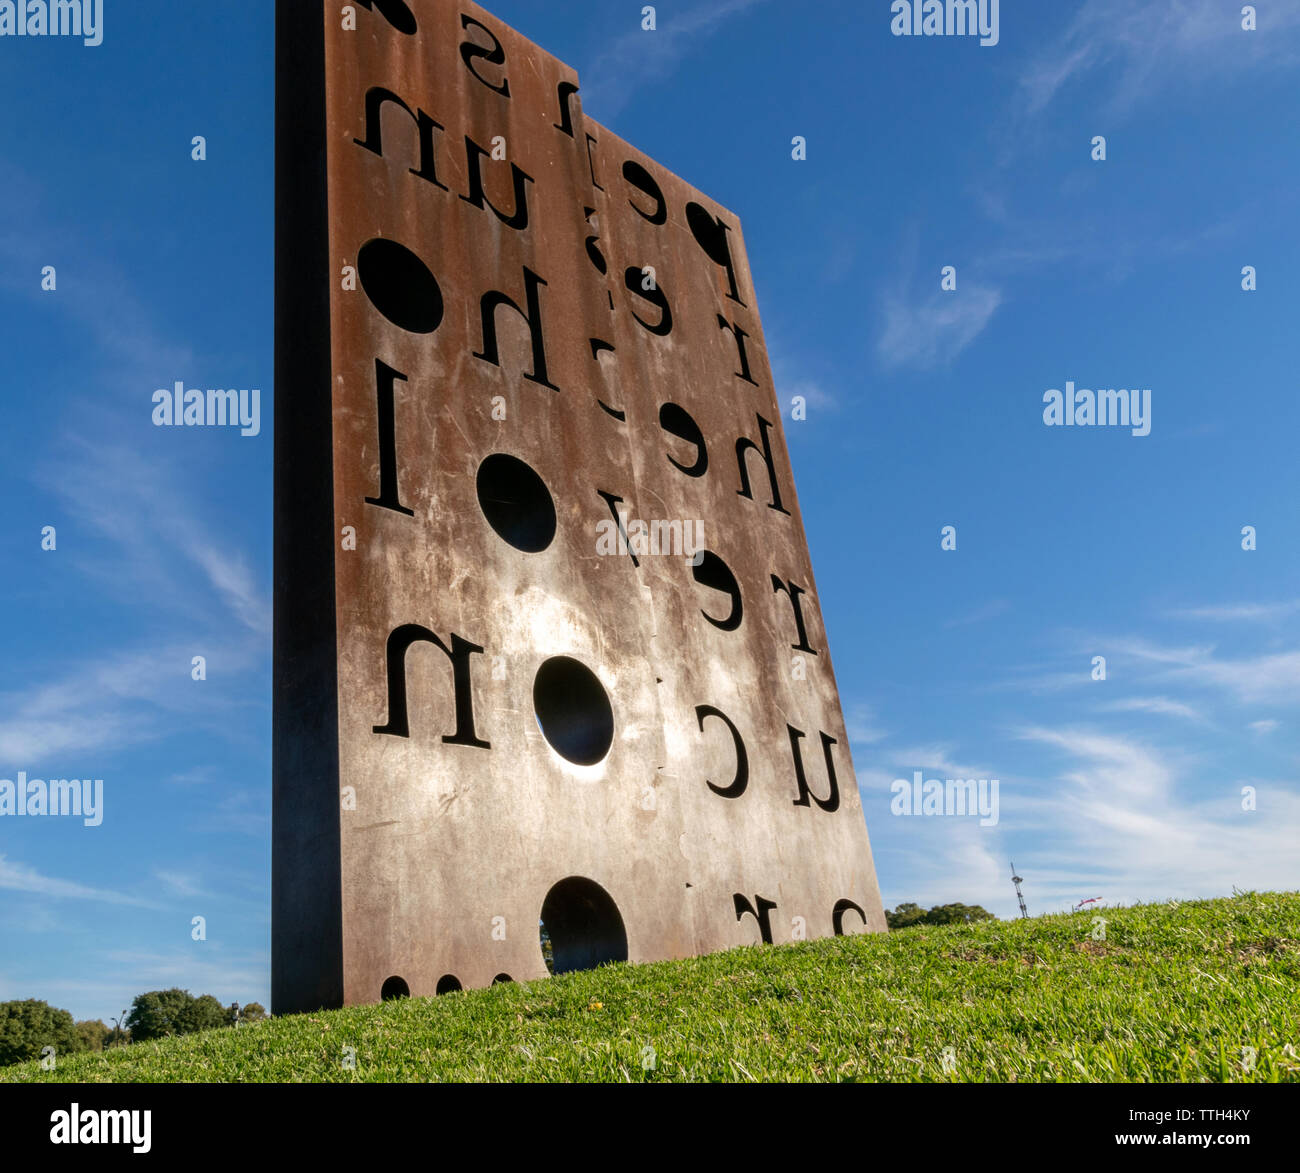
pixel 400 286
pixel 449 983
pixel 394 987
pixel 516 503
pixel 501 979
pixel 573 711
pixel 580 927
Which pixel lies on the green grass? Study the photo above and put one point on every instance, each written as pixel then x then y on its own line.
pixel 1173 993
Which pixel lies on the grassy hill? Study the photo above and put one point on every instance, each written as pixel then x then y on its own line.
pixel 1174 992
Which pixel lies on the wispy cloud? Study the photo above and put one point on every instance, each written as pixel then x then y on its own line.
pixel 1088 812
pixel 1272 676
pixel 933 331
pixel 1116 57
pixel 117 976
pixel 1114 54
pixel 1158 46
pixel 110 703
pixel 178 883
pixel 1115 768
pixel 1035 681
pixel 198 776
pixel 1154 704
pixel 640 57
pixel 1240 613
pixel 105 704
pixel 230 577
pixel 817 398
pixel 101 303
pixel 931 760
pixel 953 861
pixel 18 877
pixel 241 812
pixel 938 758
pixel 147 519
pixel 1131 825
pixel 862 725
pixel 796 371
pixel 139 506
pixel 982 614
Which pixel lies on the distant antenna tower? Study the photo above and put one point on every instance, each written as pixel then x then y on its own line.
pixel 1019 894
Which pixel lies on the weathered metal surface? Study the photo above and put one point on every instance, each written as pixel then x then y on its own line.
pixel 429 850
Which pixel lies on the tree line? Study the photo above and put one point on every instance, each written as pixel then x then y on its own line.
pixel 907 915
pixel 28 1027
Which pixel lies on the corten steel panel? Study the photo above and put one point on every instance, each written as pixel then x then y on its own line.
pixel 428 850
pixel 773 682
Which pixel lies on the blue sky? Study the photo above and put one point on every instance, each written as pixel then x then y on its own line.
pixel 925 410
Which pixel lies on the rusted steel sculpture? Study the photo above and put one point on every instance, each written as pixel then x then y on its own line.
pixel 547 637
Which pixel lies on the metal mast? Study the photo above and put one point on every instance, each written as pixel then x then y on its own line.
pixel 1019 894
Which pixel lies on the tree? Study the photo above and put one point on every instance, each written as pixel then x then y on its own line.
pixel 28 1027
pixel 957 914
pixel 202 1013
pixel 160 1013
pixel 904 916
pixel 157 1014
pixel 907 915
pixel 94 1034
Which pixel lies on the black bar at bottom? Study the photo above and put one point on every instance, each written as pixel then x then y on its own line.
pixel 377 1122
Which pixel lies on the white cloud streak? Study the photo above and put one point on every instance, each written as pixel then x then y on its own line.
pixel 932 332
pixel 1158 46
pixel 19 877
pixel 639 57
